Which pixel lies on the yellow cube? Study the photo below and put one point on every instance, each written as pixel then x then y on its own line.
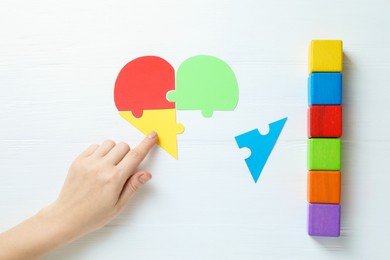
pixel 326 56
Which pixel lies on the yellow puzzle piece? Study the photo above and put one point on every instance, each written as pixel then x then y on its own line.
pixel 326 56
pixel 162 121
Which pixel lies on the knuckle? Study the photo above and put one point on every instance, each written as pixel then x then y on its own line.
pixel 125 146
pixel 93 146
pixel 109 142
pixel 148 142
pixel 90 166
pixel 82 167
pixel 78 165
pixel 136 154
pixel 106 179
pixel 118 172
pixel 75 163
pixel 133 187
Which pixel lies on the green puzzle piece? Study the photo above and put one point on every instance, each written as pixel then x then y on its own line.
pixel 205 83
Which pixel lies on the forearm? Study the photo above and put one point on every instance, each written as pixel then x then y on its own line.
pixel 34 237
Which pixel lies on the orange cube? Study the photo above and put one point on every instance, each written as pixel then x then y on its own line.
pixel 324 187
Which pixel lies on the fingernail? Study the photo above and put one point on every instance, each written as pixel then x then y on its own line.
pixel 152 135
pixel 144 178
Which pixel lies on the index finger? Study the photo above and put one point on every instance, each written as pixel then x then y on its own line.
pixel 135 156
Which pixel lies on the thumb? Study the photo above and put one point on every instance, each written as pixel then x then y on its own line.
pixel 132 185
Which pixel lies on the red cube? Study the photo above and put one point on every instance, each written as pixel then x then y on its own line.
pixel 324 121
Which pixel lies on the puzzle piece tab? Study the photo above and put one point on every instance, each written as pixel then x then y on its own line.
pixel 260 146
pixel 205 83
pixel 162 121
pixel 143 83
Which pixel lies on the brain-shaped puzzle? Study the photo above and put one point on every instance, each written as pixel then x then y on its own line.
pixel 147 95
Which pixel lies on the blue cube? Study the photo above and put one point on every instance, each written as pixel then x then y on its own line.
pixel 325 88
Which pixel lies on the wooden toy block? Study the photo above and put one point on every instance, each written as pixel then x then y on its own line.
pixel 324 154
pixel 324 187
pixel 326 56
pixel 324 220
pixel 325 88
pixel 324 121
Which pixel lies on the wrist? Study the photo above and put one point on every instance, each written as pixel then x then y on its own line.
pixel 55 226
pixel 35 236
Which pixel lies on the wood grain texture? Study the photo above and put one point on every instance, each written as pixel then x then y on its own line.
pixel 326 56
pixel 324 187
pixel 324 154
pixel 324 121
pixel 324 220
pixel 58 65
pixel 325 88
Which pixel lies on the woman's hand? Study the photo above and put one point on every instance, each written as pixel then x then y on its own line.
pixel 98 186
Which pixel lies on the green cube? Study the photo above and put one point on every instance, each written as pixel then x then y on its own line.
pixel 324 154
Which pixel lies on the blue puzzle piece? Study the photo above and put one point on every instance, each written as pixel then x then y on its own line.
pixel 325 88
pixel 260 145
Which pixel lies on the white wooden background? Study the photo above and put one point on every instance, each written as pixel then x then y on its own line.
pixel 58 64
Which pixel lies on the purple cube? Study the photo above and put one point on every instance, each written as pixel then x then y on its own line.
pixel 324 220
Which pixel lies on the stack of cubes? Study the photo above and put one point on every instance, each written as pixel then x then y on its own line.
pixel 324 132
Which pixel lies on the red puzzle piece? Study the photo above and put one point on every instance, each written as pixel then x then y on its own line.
pixel 143 83
pixel 324 121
